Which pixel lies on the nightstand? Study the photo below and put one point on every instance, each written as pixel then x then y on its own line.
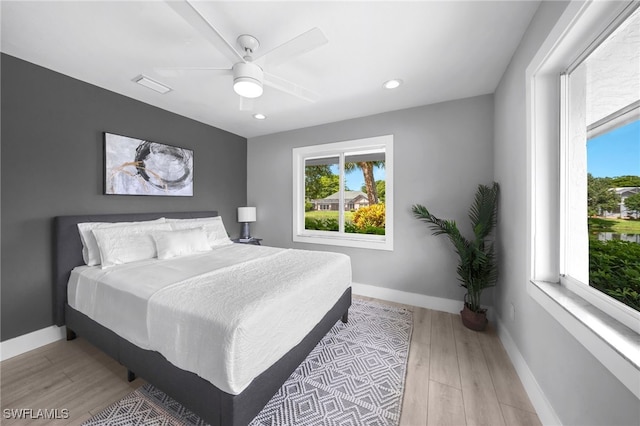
pixel 252 240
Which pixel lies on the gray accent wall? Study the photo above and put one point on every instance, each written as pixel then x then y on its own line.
pixel 442 152
pixel 52 164
pixel 579 388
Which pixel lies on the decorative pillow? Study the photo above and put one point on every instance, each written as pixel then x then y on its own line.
pixel 213 227
pixel 181 242
pixel 90 250
pixel 124 244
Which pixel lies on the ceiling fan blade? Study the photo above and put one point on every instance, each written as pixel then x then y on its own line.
pixel 186 71
pixel 289 87
pixel 246 104
pixel 303 43
pixel 200 23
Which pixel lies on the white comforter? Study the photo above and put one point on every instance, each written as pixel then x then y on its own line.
pixel 226 315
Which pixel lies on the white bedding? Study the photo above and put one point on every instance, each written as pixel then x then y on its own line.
pixel 226 315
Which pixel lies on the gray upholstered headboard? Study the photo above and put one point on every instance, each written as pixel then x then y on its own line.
pixel 67 252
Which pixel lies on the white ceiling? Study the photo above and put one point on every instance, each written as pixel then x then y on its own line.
pixel 443 50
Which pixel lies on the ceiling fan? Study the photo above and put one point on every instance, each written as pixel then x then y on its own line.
pixel 247 71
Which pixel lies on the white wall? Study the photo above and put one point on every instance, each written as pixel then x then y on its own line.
pixel 442 152
pixel 579 389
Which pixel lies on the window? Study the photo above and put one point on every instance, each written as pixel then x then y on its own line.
pixel 558 136
pixel 600 163
pixel 343 193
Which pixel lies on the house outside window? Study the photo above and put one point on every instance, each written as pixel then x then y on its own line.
pixel 353 201
pixel 343 193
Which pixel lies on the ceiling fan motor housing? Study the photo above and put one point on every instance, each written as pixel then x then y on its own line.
pixel 247 79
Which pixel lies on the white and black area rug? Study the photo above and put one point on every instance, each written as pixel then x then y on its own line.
pixel 354 376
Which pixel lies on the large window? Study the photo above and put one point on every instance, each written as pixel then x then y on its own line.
pixel 601 164
pixel 562 127
pixel 343 193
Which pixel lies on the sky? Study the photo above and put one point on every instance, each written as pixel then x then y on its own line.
pixel 355 178
pixel 616 153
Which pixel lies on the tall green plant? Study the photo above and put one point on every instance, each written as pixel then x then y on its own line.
pixel 477 265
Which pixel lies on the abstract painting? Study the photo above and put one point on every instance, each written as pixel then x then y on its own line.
pixel 141 167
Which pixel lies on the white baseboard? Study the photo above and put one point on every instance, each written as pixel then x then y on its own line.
pixel 407 298
pixel 545 411
pixel 30 341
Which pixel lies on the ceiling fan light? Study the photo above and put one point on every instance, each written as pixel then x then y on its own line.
pixel 247 87
pixel 247 79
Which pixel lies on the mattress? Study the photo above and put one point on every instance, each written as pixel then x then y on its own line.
pixel 226 315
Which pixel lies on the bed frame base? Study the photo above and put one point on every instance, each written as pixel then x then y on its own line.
pixel 213 405
pixel 70 334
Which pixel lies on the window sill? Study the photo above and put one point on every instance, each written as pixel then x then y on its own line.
pixel 615 345
pixel 362 241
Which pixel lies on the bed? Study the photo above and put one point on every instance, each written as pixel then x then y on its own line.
pixel 216 405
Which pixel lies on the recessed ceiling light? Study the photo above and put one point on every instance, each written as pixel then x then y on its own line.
pixel 392 84
pixel 145 81
pixel 259 116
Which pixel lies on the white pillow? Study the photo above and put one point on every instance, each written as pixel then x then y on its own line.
pixel 124 244
pixel 213 227
pixel 181 242
pixel 90 250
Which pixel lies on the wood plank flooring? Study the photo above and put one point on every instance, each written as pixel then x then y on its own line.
pixel 455 377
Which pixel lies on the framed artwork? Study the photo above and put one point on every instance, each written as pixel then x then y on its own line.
pixel 140 167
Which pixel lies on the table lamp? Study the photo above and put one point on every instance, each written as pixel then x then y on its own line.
pixel 246 215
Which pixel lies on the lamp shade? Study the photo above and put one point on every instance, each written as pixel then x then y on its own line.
pixel 246 214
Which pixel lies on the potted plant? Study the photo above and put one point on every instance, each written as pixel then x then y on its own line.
pixel 477 265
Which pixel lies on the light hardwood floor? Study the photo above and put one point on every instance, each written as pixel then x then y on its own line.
pixel 455 377
pixel 460 377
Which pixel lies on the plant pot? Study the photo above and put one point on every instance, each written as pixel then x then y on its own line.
pixel 476 321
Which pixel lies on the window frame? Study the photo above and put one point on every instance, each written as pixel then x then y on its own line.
pixel 608 329
pixel 568 276
pixel 340 238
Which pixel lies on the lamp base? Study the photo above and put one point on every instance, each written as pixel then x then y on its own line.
pixel 244 231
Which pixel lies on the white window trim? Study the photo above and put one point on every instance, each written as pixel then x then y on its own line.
pixel 301 235
pixel 607 328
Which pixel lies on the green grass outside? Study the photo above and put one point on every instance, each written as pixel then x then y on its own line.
pixel 328 214
pixel 618 226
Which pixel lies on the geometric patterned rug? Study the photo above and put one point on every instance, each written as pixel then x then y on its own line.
pixel 354 376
